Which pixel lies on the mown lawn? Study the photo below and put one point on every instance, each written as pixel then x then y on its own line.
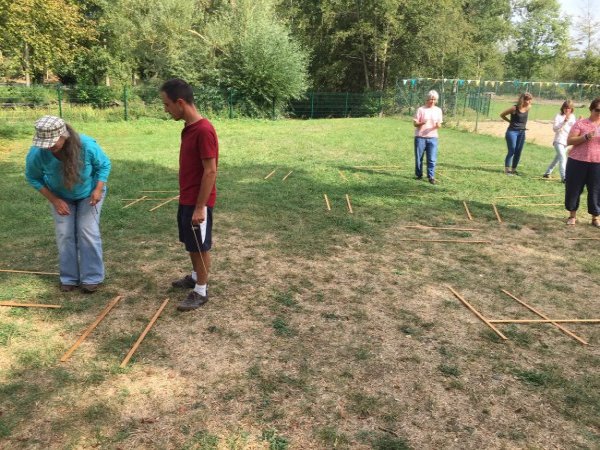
pixel 325 329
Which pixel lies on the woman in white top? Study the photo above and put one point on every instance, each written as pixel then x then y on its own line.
pixel 562 125
pixel 427 121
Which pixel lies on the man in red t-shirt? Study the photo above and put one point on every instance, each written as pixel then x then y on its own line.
pixel 198 160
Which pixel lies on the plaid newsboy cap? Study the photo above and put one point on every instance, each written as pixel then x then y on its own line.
pixel 48 130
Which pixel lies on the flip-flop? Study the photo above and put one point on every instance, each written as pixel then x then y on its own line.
pixel 571 221
pixel 596 222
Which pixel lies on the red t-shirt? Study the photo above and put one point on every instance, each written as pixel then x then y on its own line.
pixel 198 141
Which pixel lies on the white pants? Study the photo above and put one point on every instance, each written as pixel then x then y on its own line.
pixel 560 158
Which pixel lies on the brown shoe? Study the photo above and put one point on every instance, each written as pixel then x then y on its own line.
pixel 89 288
pixel 192 301
pixel 67 287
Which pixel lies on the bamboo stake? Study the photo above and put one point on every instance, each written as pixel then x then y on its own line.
pixel 441 228
pixel 375 167
pixel 29 305
pixel 135 201
pixel 164 203
pixel 478 314
pixel 159 191
pixel 497 213
pixel 89 329
pixel 467 210
pixel 349 205
pixel 530 196
pixel 537 204
pixel 327 202
pixel 342 175
pixel 267 177
pixel 145 198
pixel 28 271
pixel 584 239
pixel 460 241
pixel 543 316
pixel 283 179
pixel 545 321
pixel 143 335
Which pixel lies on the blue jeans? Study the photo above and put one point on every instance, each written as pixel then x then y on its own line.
pixel 515 140
pixel 428 146
pixel 79 243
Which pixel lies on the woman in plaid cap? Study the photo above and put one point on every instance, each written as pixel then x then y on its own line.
pixel 71 171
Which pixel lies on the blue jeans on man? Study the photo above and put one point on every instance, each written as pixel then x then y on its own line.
pixel 79 243
pixel 428 147
pixel 515 140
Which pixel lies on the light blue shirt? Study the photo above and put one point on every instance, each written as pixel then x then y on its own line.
pixel 43 169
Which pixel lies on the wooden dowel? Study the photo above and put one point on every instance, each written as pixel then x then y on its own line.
pixel 441 228
pixel 135 201
pixel 349 204
pixel 160 191
pixel 29 305
pixel 89 329
pixel 530 196
pixel 497 213
pixel 146 199
pixel 545 321
pixel 467 210
pixel 375 167
pixel 164 203
pixel 583 239
pixel 283 179
pixel 478 314
pixel 28 271
pixel 143 335
pixel 543 316
pixel 460 241
pixel 342 175
pixel 537 204
pixel 267 177
pixel 327 202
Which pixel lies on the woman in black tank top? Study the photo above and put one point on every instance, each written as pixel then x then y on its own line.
pixel 515 134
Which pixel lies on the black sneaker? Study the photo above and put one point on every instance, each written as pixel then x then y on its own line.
pixel 186 282
pixel 432 181
pixel 192 301
pixel 546 175
pixel 418 177
pixel 89 288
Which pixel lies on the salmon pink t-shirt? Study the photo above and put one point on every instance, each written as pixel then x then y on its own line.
pixel 430 116
pixel 588 151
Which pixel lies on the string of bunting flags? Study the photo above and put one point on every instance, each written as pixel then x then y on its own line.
pixel 492 83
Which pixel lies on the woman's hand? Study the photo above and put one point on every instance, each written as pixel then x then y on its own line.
pixel 61 207
pixel 96 196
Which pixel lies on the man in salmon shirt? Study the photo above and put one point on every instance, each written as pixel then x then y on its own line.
pixel 427 121
pixel 198 159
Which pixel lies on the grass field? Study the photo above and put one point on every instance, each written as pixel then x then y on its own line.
pixel 324 329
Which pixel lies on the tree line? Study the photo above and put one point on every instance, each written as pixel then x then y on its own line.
pixel 267 49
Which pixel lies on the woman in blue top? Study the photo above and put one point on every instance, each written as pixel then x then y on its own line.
pixel 515 134
pixel 71 171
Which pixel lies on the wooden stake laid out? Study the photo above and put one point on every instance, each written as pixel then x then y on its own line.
pixel 537 204
pixel 530 196
pixel 146 199
pixel 135 201
pixel 144 333
pixel 164 203
pixel 441 228
pixel 29 305
pixel 89 329
pixel 497 213
pixel 467 210
pixel 327 202
pixel 543 316
pixel 376 167
pixel 342 175
pixel 584 239
pixel 158 191
pixel 457 241
pixel 545 321
pixel 289 173
pixel 28 271
pixel 269 175
pixel 478 314
pixel 349 205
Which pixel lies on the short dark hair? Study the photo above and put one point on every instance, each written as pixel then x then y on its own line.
pixel 595 103
pixel 177 89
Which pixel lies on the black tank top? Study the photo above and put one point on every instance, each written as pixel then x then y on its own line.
pixel 518 120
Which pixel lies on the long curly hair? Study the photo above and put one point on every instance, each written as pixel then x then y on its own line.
pixel 71 153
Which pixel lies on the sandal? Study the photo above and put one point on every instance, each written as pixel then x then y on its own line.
pixel 573 221
pixel 596 222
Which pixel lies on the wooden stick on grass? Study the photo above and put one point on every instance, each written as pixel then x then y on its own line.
pixel 135 201
pixel 143 335
pixel 458 241
pixel 269 175
pixel 467 210
pixel 342 175
pixel 327 202
pixel 441 228
pixel 497 213
pixel 349 205
pixel 530 196
pixel 164 203
pixel 29 305
pixel 28 271
pixel 584 239
pixel 159 191
pixel 89 329
pixel 537 204
pixel 543 316
pixel 478 314
pixel 283 179
pixel 545 321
